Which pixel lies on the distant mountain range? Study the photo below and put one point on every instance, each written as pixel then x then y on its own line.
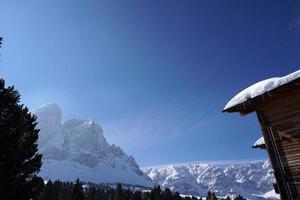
pixel 251 180
pixel 77 148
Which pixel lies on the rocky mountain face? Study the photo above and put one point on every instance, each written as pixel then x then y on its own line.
pixel 77 148
pixel 251 180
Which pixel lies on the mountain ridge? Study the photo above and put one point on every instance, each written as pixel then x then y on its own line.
pixel 251 180
pixel 77 148
pixel 219 163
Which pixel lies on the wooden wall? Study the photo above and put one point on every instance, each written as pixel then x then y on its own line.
pixel 280 122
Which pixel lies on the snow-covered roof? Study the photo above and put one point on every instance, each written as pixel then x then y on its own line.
pixel 259 143
pixel 260 88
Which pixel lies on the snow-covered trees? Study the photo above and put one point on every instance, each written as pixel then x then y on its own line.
pixel 58 190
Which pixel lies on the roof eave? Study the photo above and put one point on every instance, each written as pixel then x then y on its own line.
pixel 249 106
pixel 243 108
pixel 261 146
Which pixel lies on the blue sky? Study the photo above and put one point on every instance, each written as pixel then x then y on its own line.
pixel 155 74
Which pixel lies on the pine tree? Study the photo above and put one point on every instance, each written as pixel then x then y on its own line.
pixel 127 195
pixel 100 195
pixel 137 195
pixel 211 196
pixel 20 161
pixel 91 193
pixel 57 186
pixel 47 193
pixel 214 197
pixel 152 193
pixel 239 198
pixel 167 194
pixel 157 192
pixel 65 194
pixel 77 192
pixel 119 194
pixel 111 194
pixel 177 196
pixel 39 187
pixel 146 196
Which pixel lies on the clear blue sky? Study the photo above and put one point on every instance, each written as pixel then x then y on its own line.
pixel 155 74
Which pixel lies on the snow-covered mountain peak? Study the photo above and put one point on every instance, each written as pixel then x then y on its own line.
pixel 49 114
pixel 49 107
pixel 79 148
pixel 248 179
pixel 78 128
pixel 49 118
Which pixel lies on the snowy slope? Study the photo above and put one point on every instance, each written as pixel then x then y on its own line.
pixel 251 180
pixel 77 148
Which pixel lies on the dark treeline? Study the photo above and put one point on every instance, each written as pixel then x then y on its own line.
pixel 58 190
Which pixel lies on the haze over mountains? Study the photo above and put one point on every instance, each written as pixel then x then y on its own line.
pixel 251 180
pixel 77 148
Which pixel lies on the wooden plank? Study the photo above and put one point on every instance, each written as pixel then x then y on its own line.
pixel 279 98
pixel 282 112
pixel 287 99
pixel 279 174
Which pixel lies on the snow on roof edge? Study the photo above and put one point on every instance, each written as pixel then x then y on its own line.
pixel 259 142
pixel 260 88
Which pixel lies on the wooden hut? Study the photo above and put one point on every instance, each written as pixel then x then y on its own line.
pixel 276 102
